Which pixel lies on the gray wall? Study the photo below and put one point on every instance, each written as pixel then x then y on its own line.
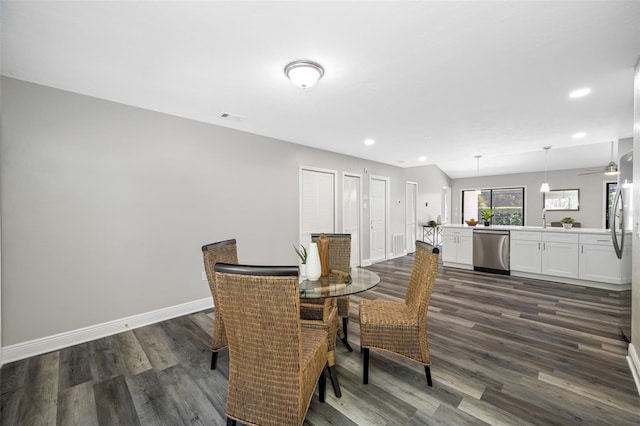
pixel 592 198
pixel 104 206
pixel 430 180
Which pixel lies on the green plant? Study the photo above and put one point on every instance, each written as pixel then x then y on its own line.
pixel 432 223
pixel 567 219
pixel 302 253
pixel 486 214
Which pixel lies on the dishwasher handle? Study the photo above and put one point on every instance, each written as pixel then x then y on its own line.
pixel 490 231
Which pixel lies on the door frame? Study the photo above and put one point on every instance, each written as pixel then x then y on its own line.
pixel 360 210
pixel 409 245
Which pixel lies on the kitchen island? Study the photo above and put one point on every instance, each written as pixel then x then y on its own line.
pixel 579 256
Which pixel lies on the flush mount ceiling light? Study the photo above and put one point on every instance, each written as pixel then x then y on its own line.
pixel 478 192
pixel 369 142
pixel 304 74
pixel 423 158
pixel 545 186
pixel 579 135
pixel 580 93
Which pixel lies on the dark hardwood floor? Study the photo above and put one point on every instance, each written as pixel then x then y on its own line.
pixel 505 351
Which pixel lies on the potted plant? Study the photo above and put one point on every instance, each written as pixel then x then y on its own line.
pixel 432 224
pixel 302 254
pixel 486 214
pixel 567 222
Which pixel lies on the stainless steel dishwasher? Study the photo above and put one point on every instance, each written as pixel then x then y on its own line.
pixel 491 251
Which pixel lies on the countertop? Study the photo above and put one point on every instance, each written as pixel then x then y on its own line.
pixel 534 229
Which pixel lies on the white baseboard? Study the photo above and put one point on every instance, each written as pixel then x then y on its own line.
pixel 81 335
pixel 634 365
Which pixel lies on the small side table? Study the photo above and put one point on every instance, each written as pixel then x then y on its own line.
pixel 432 235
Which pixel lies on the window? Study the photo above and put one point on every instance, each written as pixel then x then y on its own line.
pixel 611 189
pixel 507 205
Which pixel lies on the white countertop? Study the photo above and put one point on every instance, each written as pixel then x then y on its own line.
pixel 535 228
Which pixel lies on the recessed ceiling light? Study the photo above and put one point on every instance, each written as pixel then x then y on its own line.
pixel 422 158
pixel 579 135
pixel 369 142
pixel 580 93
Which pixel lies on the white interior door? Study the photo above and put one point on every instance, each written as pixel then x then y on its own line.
pixel 317 202
pixel 410 219
pixel 378 211
pixel 351 224
pixel 446 205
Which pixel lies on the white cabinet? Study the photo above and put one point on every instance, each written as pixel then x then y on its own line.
pixel 526 252
pixel 457 246
pixel 598 260
pixel 548 253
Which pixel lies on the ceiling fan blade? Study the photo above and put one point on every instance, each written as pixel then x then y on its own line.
pixel 590 172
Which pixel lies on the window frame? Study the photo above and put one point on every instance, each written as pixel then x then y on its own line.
pixel 491 190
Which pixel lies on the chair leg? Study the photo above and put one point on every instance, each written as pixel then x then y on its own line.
pixel 231 422
pixel 365 362
pixel 343 339
pixel 333 376
pixel 322 385
pixel 345 323
pixel 427 370
pixel 214 358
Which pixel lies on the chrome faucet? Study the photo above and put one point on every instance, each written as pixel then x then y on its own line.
pixel 544 218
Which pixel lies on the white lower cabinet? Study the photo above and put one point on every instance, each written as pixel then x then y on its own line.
pixel 582 257
pixel 598 260
pixel 545 253
pixel 457 246
pixel 526 252
pixel 560 259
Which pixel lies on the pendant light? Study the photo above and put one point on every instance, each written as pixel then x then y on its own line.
pixel 478 192
pixel 545 185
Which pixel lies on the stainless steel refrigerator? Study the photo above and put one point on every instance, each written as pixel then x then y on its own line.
pixel 622 208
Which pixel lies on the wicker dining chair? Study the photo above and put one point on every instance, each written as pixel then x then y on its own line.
pixel 274 363
pixel 225 252
pixel 401 328
pixel 340 262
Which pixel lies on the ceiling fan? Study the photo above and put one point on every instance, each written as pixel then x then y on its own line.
pixel 609 170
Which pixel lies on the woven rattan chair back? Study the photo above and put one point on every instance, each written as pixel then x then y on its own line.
pixel 339 251
pixel 223 252
pixel 260 307
pixel 340 260
pixel 423 274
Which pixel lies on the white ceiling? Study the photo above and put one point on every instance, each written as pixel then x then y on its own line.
pixel 445 79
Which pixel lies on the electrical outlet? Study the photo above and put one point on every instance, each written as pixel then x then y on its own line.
pixel 204 276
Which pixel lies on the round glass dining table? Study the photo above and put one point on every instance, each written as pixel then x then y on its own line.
pixel 336 285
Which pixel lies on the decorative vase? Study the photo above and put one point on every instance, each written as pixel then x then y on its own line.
pixel 567 225
pixel 314 269
pixel 323 252
pixel 487 223
pixel 303 271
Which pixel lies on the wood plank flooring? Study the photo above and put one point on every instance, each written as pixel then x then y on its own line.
pixel 505 351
